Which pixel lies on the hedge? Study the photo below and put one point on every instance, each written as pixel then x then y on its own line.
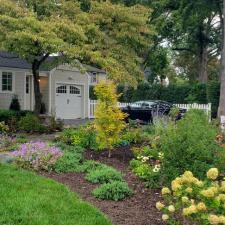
pixel 6 115
pixel 188 93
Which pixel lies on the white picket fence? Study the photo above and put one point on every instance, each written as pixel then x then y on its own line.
pixel 205 107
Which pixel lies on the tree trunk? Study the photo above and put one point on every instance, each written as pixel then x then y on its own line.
pixel 109 153
pixel 221 109
pixel 37 93
pixel 203 74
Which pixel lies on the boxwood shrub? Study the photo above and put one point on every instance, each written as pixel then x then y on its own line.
pixel 115 190
pixel 104 174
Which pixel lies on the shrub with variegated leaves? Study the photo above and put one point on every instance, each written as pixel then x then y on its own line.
pixel 195 201
pixel 37 155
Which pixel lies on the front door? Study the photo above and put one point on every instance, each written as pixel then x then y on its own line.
pixel 68 101
pixel 28 92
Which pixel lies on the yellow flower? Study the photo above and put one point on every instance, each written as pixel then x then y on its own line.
pixel 194 180
pixel 212 173
pixel 188 174
pixel 185 199
pixel 221 197
pixel 199 183
pixel 190 210
pixel 175 185
pixel 189 190
pixel 165 191
pixel 165 217
pixel 222 219
pixel 214 189
pixel 159 205
pixel 213 219
pixel 208 193
pixel 188 178
pixel 215 184
pixel 171 208
pixel 201 206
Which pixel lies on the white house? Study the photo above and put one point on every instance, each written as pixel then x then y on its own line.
pixel 64 89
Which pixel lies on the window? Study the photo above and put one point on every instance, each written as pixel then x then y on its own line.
pixel 94 78
pixel 61 89
pixel 74 90
pixel 27 85
pixel 7 81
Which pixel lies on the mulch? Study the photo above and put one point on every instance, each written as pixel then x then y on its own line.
pixel 136 210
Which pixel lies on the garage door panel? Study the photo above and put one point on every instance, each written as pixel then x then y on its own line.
pixel 68 101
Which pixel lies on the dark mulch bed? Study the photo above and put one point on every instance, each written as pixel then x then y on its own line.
pixel 136 210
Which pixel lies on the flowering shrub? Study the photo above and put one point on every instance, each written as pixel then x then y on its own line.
pixel 37 155
pixel 199 202
pixel 147 164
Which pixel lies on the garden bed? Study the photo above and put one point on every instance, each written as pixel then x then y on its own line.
pixel 136 210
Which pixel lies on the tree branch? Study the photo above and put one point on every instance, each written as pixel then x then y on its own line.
pixel 43 58
pixel 183 49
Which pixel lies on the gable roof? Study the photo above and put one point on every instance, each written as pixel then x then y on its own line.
pixel 11 60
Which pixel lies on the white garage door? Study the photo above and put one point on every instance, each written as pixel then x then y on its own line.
pixel 68 101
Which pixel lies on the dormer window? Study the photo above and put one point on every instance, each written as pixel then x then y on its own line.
pixel 94 78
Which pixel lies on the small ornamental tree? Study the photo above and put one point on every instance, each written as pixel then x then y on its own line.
pixel 109 119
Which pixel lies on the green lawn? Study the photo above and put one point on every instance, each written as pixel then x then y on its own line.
pixel 28 199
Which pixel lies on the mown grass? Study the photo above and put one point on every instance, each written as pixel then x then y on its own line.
pixel 28 199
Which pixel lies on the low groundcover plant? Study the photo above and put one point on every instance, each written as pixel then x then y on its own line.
pixel 200 202
pixel 37 155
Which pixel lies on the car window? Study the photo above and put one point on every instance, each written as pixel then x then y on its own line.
pixel 145 105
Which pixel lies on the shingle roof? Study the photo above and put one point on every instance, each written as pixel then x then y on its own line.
pixel 12 61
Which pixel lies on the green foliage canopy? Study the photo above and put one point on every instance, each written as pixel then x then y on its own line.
pixel 110 36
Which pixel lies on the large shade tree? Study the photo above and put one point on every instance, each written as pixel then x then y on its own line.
pixel 221 110
pixel 191 28
pixel 110 36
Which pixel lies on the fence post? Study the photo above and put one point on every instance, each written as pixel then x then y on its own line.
pixel 89 110
pixel 210 111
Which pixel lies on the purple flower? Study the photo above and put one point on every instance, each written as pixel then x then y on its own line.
pixel 38 155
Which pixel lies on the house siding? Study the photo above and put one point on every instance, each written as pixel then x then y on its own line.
pixel 18 89
pixel 48 80
pixel 99 77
